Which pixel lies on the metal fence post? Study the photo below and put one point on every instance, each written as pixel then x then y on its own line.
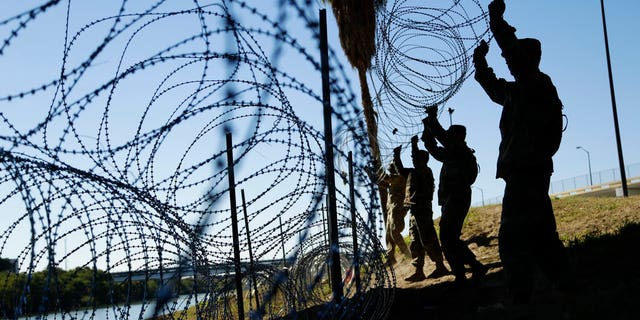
pixel 284 253
pixel 354 226
pixel 234 227
pixel 252 269
pixel 334 245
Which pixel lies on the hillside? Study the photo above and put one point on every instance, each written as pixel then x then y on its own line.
pixel 601 234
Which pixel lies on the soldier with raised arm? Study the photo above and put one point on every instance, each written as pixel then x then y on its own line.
pixel 418 199
pixel 458 173
pixel 396 212
pixel 531 130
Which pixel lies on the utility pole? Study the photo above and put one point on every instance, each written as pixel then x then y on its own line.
pixel 481 193
pixel 623 176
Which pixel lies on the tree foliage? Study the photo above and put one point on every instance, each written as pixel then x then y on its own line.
pixel 57 290
pixel 6 265
pixel 356 21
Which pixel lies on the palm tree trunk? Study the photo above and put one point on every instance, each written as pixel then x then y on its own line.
pixel 372 133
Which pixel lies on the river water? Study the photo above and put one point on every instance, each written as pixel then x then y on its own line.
pixel 133 311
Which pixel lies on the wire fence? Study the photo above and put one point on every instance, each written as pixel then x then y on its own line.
pixel 603 177
pixel 593 179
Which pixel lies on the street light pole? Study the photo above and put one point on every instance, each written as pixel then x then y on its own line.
pixel 623 176
pixel 481 193
pixel 588 162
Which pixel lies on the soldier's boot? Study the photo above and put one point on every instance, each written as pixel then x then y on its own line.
pixel 440 271
pixel 478 271
pixel 391 260
pixel 461 279
pixel 417 276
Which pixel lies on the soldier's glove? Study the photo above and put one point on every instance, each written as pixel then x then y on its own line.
pixel 425 129
pixel 397 150
pixel 432 111
pixel 496 8
pixel 414 140
pixel 480 52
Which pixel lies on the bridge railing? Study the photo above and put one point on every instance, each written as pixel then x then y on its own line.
pixel 602 177
pixel 598 177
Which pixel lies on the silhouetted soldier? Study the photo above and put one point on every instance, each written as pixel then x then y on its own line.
pixel 531 130
pixel 396 185
pixel 459 171
pixel 418 198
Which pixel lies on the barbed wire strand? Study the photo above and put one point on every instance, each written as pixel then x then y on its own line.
pixel 118 150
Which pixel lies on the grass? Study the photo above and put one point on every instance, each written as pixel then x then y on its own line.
pixel 601 236
pixel 576 217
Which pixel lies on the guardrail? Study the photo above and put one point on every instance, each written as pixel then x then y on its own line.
pixel 604 179
pixel 599 178
pixel 614 187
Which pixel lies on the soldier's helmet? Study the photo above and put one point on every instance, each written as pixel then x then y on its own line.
pixel 524 57
pixel 457 131
pixel 532 49
pixel 421 157
pixel 392 168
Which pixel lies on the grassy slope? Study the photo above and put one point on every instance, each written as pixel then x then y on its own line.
pixel 601 234
pixel 603 257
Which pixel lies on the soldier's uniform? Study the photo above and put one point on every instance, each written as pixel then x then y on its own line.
pixel 531 128
pixel 454 193
pixel 418 198
pixel 396 184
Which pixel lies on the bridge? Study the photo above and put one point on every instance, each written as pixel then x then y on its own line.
pixel 608 189
pixel 218 269
pixel 604 183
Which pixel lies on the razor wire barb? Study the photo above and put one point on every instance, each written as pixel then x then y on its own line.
pixel 113 185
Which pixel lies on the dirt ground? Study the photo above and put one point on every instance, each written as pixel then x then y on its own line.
pixel 605 267
pixel 601 235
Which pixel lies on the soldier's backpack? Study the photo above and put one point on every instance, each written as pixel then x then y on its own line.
pixel 471 166
pixel 548 121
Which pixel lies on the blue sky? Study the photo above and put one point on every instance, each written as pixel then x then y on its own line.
pixel 573 55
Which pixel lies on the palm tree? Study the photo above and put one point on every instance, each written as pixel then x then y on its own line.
pixel 356 21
